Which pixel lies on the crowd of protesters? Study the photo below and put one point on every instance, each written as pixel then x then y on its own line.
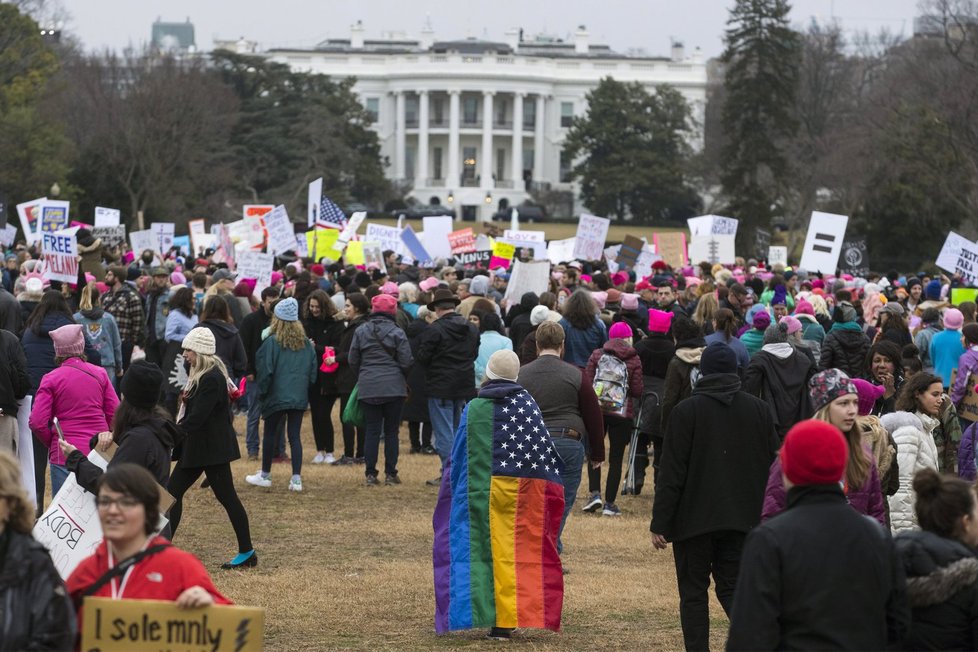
pixel 775 407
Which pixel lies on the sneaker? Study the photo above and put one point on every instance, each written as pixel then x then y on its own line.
pixel 429 450
pixel 242 560
pixel 611 509
pixel 392 479
pixel 258 480
pixel 593 504
pixel 328 458
pixel 295 484
pixel 372 481
pixel 343 461
pixel 434 482
pixel 319 459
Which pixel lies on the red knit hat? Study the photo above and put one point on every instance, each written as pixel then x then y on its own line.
pixel 814 452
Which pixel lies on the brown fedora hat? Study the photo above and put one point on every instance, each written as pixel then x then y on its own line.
pixel 443 295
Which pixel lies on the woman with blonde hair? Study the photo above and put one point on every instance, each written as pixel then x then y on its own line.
pixel 706 312
pixel 209 442
pixel 36 609
pixel 286 366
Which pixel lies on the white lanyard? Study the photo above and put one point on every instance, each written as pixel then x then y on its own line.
pixel 117 593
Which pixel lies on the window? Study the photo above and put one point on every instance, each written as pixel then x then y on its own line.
pixel 565 167
pixel 500 163
pixel 528 160
pixel 436 162
pixel 470 110
pixel 438 112
pixel 566 114
pixel 411 111
pixel 373 108
pixel 501 106
pixel 529 114
pixel 409 156
pixel 468 163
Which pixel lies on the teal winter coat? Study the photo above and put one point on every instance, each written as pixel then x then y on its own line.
pixel 284 376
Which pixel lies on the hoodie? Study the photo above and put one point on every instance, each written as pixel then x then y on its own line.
pixel 229 347
pixel 147 445
pixel 779 375
pixel 681 375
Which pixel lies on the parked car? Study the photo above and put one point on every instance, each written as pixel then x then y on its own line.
pixel 527 213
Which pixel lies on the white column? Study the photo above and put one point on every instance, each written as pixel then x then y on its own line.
pixel 517 148
pixel 421 169
pixel 486 153
pixel 538 141
pixel 400 136
pixel 453 180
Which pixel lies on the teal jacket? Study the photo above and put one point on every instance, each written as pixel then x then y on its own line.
pixel 753 340
pixel 284 376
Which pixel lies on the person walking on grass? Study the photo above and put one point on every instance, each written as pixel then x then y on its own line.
pixel 286 365
pixel 324 328
pixel 381 356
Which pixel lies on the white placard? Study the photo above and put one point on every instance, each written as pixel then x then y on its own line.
pixel 435 237
pixel 196 228
pixel 713 249
pixel 107 216
pixel 966 265
pixel 281 234
pixel 592 231
pixel 524 236
pixel 164 235
pixel 349 231
pixel 643 263
pixel 948 258
pixel 256 265
pixel 8 234
pixel 314 196
pixel 143 240
pixel 389 237
pixel 25 446
pixel 54 216
pixel 776 255
pixel 561 251
pixel 823 244
pixel 712 225
pixel 29 213
pixel 527 277
pixel 301 245
pixel 60 256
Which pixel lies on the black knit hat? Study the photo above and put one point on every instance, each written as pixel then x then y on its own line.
pixel 142 385
pixel 718 358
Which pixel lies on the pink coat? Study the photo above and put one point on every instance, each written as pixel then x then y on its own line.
pixel 81 396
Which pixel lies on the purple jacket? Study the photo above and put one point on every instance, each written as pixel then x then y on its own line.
pixel 867 500
pixel 966 453
pixel 967 366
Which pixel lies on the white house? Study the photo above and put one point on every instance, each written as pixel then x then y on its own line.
pixel 473 122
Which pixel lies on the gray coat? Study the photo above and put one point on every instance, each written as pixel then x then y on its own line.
pixel 381 357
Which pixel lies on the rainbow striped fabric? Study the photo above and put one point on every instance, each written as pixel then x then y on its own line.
pixel 498 515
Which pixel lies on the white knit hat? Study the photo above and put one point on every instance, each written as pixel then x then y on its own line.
pixel 200 340
pixel 503 365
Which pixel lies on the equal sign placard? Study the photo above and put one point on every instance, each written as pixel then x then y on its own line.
pixel 823 244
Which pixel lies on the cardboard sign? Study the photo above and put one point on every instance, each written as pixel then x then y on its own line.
pixel 414 246
pixel 349 230
pixel 712 225
pixel 776 255
pixel 628 252
pixel 281 234
pixel 528 277
pixel 389 237
pixel 314 196
pixel 948 258
pixel 855 258
pixel 461 241
pixel 592 232
pixel 713 249
pixel 29 212
pixel 480 257
pixel 958 296
pixel 164 235
pixel 151 625
pixel 111 235
pixel 823 244
pixel 60 256
pixel 561 251
pixel 140 241
pixel 54 216
pixel 672 248
pixel 436 231
pixel 502 255
pixel 107 216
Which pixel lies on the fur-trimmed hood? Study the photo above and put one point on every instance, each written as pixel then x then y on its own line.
pixel 936 568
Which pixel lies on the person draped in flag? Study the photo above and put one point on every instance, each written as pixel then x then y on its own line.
pixel 498 514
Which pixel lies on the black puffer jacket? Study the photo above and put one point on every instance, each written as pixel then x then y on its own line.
pixel 778 374
pixel 448 351
pixel 845 350
pixel 35 611
pixel 324 332
pixel 942 588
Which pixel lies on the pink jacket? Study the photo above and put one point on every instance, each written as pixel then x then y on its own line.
pixel 82 398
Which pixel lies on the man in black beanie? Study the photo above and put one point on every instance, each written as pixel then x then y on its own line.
pixel 716 456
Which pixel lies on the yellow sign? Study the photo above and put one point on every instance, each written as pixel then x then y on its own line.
pixel 354 253
pixel 321 243
pixel 151 626
pixel 503 250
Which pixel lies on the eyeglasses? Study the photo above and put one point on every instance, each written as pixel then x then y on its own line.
pixel 126 502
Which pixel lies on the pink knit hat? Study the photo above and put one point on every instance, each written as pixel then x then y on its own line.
pixel 384 303
pixel 428 284
pixel 868 394
pixel 629 301
pixel 792 323
pixel 804 307
pixel 600 298
pixel 620 329
pixel 68 340
pixel 390 288
pixel 660 321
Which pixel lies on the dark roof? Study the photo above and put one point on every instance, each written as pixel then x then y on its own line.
pixel 471 46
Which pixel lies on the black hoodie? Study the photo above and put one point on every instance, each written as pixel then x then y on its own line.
pixel 448 351
pixel 230 348
pixel 147 445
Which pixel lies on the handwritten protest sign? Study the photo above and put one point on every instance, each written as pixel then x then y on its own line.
pixel 479 257
pixel 948 258
pixel 60 256
pixel 164 232
pixel 672 248
pixel 502 255
pixel 107 216
pixel 524 236
pixel 712 225
pixel 54 215
pixel 461 241
pixel 527 277
pixel 777 255
pixel 152 625
pixel 110 235
pixel 389 237
pixel 256 265
pixel 966 265
pixel 591 233
pixel 561 251
pixel 29 213
pixel 281 234
pixel 143 240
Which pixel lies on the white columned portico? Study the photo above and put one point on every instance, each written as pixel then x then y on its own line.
pixel 538 140
pixel 421 169
pixel 486 154
pixel 517 148
pixel 453 127
pixel 400 136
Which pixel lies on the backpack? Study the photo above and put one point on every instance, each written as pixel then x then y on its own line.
pixel 611 384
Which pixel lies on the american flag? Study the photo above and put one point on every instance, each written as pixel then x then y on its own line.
pixel 330 214
pixel 522 446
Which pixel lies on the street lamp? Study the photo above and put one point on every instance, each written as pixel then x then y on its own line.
pixel 488 197
pixel 451 197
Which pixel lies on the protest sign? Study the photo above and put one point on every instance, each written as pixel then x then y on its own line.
pixel 762 240
pixel 628 252
pixel 223 245
pixel 164 235
pixel 643 266
pixel 855 258
pixel 140 241
pixel 948 257
pixel 524 236
pixel 414 246
pixel 479 257
pixel 110 235
pixel 301 246
pixel 712 249
pixel 712 225
pixel 436 230
pixel 281 234
pixel 350 230
pixel 958 296
pixel 182 243
pixel 527 248
pixel 461 241
pixel 54 216
pixel 389 237
pixel 561 251
pixel 256 265
pixel 527 277
pixel 672 247
pixel 8 235
pixel 823 244
pixel 967 264
pixel 354 253
pixel 591 233
pixel 777 255
pixel 502 255
pixel 29 212
pixel 373 256
pixel 611 257
pixel 320 241
pixel 25 446
pixel 152 625
pixel 60 256
pixel 253 216
pixel 107 216
pixel 197 229
pixel 313 198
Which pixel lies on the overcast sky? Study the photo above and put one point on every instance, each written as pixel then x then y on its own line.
pixel 622 24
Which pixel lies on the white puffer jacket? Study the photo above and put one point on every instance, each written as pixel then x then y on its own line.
pixel 915 451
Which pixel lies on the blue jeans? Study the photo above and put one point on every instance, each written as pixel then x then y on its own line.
pixel 571 451
pixel 381 420
pixel 270 440
pixel 59 474
pixel 445 415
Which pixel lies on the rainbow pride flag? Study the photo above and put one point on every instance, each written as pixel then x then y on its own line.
pixel 498 515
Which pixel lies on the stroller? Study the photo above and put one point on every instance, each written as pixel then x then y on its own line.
pixel 647 416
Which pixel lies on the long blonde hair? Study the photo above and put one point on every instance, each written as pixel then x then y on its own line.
pixel 89 297
pixel 289 334
pixel 12 488
pixel 706 309
pixel 203 364
pixel 858 466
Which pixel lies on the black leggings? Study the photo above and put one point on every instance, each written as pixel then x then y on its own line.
pixel 351 435
pixel 420 433
pixel 619 433
pixel 321 411
pixel 222 484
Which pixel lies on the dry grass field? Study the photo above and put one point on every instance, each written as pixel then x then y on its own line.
pixel 344 566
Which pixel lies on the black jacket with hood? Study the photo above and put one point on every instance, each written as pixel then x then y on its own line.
pixel 230 348
pixel 148 445
pixel 448 351
pixel 778 374
pixel 844 348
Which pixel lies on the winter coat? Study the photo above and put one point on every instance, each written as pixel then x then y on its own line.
pixel 14 383
pixel 844 348
pixel 655 352
pixel 681 375
pixel 102 334
pixel 922 341
pixel 743 355
pixel 39 349
pixel 156 310
pixel 252 327
pixel 626 353
pixel 867 499
pixel 718 446
pixel 206 431
pixel 323 332
pixel 946 431
pixel 519 329
pixel 578 343
pixel 752 340
pixel 967 366
pixel 91 259
pixel 416 406
pixel 81 396
pixel 812 334
pixel 381 356
pixel 284 376
pixel 945 351
pixel 178 325
pixel 346 377
pixel 819 576
pixel 229 347
pixel 915 451
pixel 148 445
pixel 489 343
pixel 11 317
pixel 966 454
pixel 779 375
pixel 448 351
pixel 36 611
